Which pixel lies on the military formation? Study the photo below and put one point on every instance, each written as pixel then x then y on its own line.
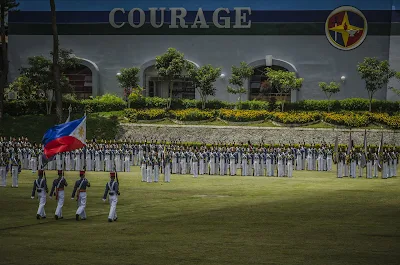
pixel 157 159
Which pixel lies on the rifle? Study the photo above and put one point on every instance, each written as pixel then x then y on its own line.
pixel 116 176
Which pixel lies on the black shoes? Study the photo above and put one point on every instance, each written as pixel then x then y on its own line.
pixel 77 217
pixel 56 217
pixel 37 216
pixel 110 220
pixel 115 219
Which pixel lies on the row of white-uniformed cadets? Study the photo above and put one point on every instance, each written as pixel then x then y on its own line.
pixel 229 163
pixel 80 190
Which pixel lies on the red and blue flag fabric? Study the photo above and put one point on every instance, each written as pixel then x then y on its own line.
pixel 64 137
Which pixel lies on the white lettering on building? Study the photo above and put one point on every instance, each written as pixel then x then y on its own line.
pixel 220 18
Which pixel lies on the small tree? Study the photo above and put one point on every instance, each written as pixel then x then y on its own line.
pixel 376 75
pixel 239 76
pixel 283 81
pixel 170 66
pixel 203 79
pixel 37 82
pixel 129 81
pixel 329 90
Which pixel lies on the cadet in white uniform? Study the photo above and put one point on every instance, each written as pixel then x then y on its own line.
pixel 58 190
pixel 40 186
pixel 80 190
pixel 112 189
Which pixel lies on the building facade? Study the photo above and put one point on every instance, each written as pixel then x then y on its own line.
pixel 321 41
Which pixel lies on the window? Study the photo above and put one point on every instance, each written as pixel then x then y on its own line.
pixel 80 79
pixel 151 88
pixel 183 89
pixel 258 88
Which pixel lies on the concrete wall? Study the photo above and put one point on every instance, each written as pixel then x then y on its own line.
pixel 313 56
pixel 213 134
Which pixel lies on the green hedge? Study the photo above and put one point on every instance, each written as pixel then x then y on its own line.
pixel 350 104
pixel 109 102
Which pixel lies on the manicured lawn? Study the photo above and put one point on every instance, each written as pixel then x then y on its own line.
pixel 312 218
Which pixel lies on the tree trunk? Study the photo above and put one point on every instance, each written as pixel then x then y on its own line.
pixel 170 95
pixel 370 101
pixel 56 66
pixel 203 102
pixel 329 100
pixel 4 61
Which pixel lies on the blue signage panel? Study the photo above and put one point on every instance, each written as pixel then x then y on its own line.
pixel 107 5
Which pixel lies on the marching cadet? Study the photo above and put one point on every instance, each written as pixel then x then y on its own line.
pixel 353 163
pixel 80 189
pixel 375 165
pixel 290 160
pixel 149 170
pixel 369 159
pixel 112 189
pixel 385 166
pixel 341 164
pixel 58 190
pixel 195 166
pixel 156 170
pixel 40 186
pixel 3 168
pixel 15 170
pixel 143 169
pixel 127 162
pixel 167 168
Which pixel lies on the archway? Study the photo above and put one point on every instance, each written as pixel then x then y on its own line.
pixel 255 84
pixel 155 86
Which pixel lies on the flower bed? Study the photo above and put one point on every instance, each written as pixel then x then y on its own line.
pixel 151 114
pixel 134 115
pixel 243 115
pixel 392 122
pixel 348 119
pixel 295 117
pixel 191 115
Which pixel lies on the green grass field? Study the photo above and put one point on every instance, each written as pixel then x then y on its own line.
pixel 312 218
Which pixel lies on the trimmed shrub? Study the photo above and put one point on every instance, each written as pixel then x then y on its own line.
pixel 354 104
pixel 348 119
pixel 105 103
pixel 392 122
pixel 131 115
pixel 255 105
pixel 243 115
pixel 25 107
pixel 151 114
pixel 191 114
pixel 295 117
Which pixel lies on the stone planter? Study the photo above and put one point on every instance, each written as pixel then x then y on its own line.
pixel 339 126
pixel 151 121
pixel 240 122
pixel 294 124
pixel 191 122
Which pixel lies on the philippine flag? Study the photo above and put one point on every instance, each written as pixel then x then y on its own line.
pixel 65 137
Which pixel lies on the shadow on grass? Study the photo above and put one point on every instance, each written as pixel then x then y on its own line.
pixel 34 126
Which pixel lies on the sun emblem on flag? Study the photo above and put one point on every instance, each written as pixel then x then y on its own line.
pixel 81 132
pixel 346 28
